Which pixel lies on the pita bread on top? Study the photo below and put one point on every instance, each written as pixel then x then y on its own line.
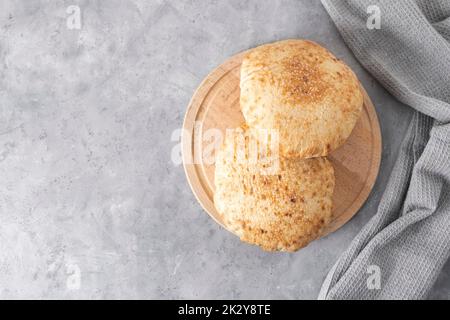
pixel 301 89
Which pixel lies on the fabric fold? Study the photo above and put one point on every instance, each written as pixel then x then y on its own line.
pixel 408 238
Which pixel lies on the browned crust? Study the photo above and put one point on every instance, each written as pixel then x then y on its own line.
pixel 300 88
pixel 284 210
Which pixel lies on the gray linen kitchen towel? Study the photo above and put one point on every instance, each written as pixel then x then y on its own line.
pixel 408 239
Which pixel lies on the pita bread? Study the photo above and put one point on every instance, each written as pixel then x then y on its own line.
pixel 280 209
pixel 302 90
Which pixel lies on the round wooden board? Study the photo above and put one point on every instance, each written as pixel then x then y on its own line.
pixel 215 105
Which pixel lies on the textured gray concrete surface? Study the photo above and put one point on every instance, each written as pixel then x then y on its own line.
pixel 91 204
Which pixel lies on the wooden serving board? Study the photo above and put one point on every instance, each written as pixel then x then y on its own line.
pixel 215 105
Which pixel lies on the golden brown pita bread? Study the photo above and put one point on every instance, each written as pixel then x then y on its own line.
pixel 283 208
pixel 301 89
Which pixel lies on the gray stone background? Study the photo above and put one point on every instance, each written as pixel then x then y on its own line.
pixel 91 205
